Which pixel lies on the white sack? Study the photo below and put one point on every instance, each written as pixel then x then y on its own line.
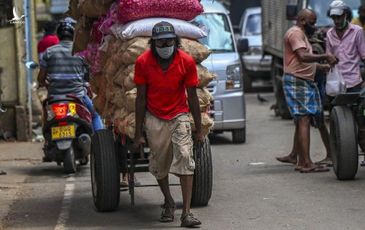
pixel 143 28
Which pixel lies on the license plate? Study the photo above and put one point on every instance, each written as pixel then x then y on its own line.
pixel 62 132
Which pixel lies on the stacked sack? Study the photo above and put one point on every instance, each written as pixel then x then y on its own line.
pixel 118 36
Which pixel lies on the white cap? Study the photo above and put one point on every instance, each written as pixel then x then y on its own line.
pixel 337 8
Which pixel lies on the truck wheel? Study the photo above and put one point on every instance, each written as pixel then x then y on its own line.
pixel 239 136
pixel 203 174
pixel 343 140
pixel 247 81
pixel 69 162
pixel 281 102
pixel 105 175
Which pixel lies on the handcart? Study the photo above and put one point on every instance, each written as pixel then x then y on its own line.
pixel 112 154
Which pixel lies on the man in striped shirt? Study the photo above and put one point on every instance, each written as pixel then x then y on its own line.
pixel 62 73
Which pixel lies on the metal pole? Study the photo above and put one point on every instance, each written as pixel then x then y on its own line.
pixel 28 51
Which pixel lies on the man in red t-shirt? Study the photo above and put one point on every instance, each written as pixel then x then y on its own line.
pixel 163 75
pixel 49 39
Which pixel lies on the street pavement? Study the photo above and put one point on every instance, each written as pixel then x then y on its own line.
pixel 251 189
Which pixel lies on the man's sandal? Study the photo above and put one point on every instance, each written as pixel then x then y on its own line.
pixel 167 214
pixel 188 220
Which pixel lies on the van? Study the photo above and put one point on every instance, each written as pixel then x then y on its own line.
pixel 229 107
pixel 256 66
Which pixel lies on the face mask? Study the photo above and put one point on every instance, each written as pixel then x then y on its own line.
pixel 165 52
pixel 344 24
pixel 309 29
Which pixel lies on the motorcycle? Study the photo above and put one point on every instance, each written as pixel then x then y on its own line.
pixel 67 131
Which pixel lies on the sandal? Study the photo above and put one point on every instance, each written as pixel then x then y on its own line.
pixel 167 214
pixel 188 220
pixel 314 169
pixel 298 168
pixel 327 162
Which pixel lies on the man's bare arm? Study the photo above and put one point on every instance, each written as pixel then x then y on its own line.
pixel 140 112
pixel 195 111
pixel 306 57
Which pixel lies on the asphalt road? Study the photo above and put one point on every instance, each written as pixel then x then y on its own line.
pixel 251 189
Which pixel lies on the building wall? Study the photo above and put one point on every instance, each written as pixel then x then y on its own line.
pixel 13 78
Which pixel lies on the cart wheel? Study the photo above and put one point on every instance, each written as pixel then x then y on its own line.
pixel 69 162
pixel 203 175
pixel 343 140
pixel 105 176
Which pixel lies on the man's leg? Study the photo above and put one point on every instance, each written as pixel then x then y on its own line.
pixel 165 189
pixel 292 157
pixel 326 141
pixel 186 189
pixel 96 119
pixel 303 140
pixel 169 203
pixel 305 161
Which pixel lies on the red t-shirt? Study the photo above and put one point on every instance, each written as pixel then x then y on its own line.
pixel 47 41
pixel 166 91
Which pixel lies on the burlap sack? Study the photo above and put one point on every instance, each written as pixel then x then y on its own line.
pixel 97 82
pixel 206 123
pixel 94 8
pixel 73 10
pixel 120 114
pixel 127 126
pixel 205 77
pixel 119 78
pixel 205 98
pixel 129 81
pixel 109 110
pixel 99 104
pixel 197 50
pixel 135 50
pixel 130 98
pixel 118 98
pixel 82 34
pixel 111 69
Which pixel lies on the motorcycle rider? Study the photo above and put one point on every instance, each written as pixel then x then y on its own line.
pixel 62 73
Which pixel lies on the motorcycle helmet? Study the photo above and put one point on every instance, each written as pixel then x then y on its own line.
pixel 65 29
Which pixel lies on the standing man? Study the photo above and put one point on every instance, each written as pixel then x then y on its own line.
pixel 163 75
pixel 301 93
pixel 347 42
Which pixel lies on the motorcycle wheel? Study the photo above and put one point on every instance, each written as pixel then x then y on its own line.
pixel 69 162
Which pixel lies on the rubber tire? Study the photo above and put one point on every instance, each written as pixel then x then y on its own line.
pixel 247 81
pixel 105 174
pixel 69 161
pixel 203 174
pixel 239 136
pixel 343 141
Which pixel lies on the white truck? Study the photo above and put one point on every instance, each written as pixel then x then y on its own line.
pixel 277 17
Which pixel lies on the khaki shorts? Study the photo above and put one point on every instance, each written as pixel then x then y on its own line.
pixel 171 146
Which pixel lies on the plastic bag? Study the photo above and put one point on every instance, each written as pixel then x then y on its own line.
pixel 143 28
pixel 131 10
pixel 335 83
